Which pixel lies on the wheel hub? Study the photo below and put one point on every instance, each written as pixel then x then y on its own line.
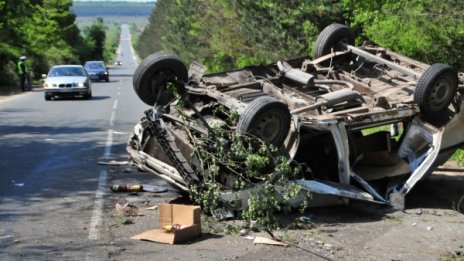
pixel 268 127
pixel 440 93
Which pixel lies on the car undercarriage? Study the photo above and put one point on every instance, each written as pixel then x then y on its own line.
pixel 368 123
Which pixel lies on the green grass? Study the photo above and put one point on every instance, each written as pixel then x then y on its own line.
pixel 373 130
pixel 458 156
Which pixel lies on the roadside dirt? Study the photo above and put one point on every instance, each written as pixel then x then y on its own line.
pixel 8 92
pixel 431 227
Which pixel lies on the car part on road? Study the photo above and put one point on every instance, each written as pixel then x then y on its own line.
pixel 138 188
pixel 127 210
pixel 114 163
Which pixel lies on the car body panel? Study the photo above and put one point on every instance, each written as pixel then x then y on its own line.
pixel 333 109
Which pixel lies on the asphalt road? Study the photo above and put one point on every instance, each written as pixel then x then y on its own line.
pixel 52 189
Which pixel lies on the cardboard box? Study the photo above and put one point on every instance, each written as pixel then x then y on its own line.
pixel 186 216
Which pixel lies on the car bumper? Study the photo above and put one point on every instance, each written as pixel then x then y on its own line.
pixel 98 77
pixel 67 91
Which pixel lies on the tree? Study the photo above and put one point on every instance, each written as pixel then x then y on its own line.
pixel 426 30
pixel 96 34
pixel 227 34
pixel 43 30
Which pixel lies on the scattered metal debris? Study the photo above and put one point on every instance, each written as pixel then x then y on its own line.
pixel 17 184
pixel 114 163
pixel 119 133
pixel 268 241
pixel 138 188
pixel 5 237
pixel 127 210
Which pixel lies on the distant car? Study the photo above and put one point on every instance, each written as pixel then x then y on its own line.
pixel 118 63
pixel 67 80
pixel 97 70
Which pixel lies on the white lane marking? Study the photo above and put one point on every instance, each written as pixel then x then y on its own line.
pixel 97 213
pixel 113 113
pixel 109 142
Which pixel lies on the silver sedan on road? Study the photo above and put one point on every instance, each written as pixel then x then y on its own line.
pixel 67 80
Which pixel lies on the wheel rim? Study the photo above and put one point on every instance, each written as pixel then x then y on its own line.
pixel 440 93
pixel 268 127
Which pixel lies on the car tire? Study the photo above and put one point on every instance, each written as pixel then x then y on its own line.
pixel 48 97
pixel 267 119
pixel 153 74
pixel 329 38
pixel 107 79
pixel 88 96
pixel 436 88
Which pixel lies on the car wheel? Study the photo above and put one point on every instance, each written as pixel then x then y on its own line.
pixel 107 79
pixel 436 88
pixel 88 96
pixel 266 118
pixel 329 40
pixel 48 97
pixel 154 75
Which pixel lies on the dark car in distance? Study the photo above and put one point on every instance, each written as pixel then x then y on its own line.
pixel 97 70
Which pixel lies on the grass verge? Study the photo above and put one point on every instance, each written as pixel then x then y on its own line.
pixel 9 90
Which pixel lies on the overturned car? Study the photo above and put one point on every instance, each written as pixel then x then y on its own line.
pixel 368 123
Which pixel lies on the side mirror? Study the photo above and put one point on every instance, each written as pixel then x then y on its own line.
pixel 44 76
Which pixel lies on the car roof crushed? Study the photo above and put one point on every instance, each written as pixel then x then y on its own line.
pixel 319 112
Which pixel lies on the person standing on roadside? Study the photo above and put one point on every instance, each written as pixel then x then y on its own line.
pixel 22 71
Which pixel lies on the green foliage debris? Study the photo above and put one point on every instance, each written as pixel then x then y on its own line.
pixel 245 165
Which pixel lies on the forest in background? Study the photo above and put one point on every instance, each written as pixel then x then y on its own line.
pixel 114 15
pixel 47 33
pixel 43 30
pixel 230 34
